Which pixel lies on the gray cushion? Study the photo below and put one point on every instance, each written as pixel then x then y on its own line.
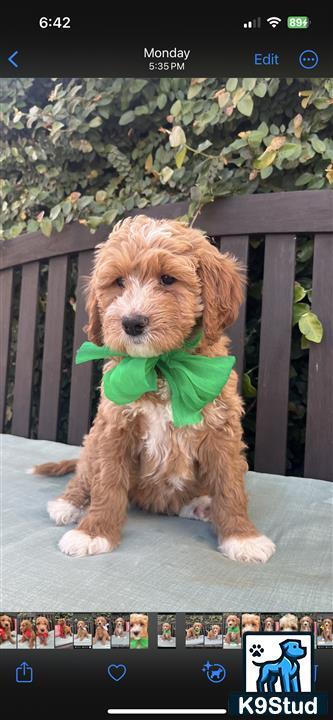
pixel 163 563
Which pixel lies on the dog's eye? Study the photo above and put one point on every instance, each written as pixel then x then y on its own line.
pixel 167 280
pixel 120 282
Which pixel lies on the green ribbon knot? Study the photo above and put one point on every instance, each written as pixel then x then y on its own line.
pixel 194 380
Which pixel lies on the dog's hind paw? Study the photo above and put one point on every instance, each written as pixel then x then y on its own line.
pixel 63 512
pixel 197 509
pixel 256 549
pixel 78 543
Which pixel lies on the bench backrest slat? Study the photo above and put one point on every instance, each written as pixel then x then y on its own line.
pixel 274 355
pixel 25 350
pixel 6 292
pixel 319 425
pixel 53 348
pixel 80 396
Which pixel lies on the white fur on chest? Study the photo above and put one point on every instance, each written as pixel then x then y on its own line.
pixel 157 436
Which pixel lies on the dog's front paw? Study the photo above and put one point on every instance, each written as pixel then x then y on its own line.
pixel 257 548
pixel 63 512
pixel 78 543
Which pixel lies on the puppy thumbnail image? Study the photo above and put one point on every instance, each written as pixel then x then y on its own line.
pixel 8 632
pixel 64 631
pixel 26 631
pixel 120 624
pixel 83 631
pixel 324 625
pixel 250 622
pixel 138 631
pixel 166 631
pixel 195 631
pixel 44 628
pixel 288 623
pixel 213 625
pixel 101 639
pixel 269 623
pixel 307 623
pixel 232 634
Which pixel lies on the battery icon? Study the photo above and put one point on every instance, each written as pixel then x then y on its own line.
pixel 298 22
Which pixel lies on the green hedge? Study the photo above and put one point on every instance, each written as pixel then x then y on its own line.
pixel 90 149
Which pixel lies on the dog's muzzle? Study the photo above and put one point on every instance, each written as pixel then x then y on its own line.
pixel 135 325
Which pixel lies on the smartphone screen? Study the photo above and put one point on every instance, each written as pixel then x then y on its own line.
pixel 166 390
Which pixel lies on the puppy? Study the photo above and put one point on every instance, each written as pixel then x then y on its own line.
pixel 6 629
pixel 269 625
pixel 138 630
pixel 42 625
pixel 305 624
pixel 28 633
pixel 326 630
pixel 195 631
pixel 214 632
pixel 288 623
pixel 101 632
pixel 119 627
pixel 156 284
pixel 166 631
pixel 250 623
pixel 233 631
pixel 64 628
pixel 82 630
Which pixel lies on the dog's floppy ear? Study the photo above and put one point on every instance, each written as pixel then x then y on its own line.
pixel 222 282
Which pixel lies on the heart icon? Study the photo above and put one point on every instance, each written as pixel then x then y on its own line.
pixel 117 672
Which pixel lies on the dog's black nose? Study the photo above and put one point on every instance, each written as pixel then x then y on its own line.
pixel 135 324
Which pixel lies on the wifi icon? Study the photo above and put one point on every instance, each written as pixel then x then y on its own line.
pixel 274 21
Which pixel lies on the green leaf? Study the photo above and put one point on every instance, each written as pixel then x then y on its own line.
pixel 299 292
pixel 166 174
pixel 303 179
pixel 317 144
pixel 56 126
pixel 193 91
pixel 299 309
pixel 264 160
pixel 162 101
pixel 127 117
pixel 266 172
pixel 176 108
pixel 310 325
pixel 245 105
pixel 248 389
pixel 290 151
pixel 260 89
pixel 95 122
pixel 46 227
pixel 55 211
pixel 304 343
pixel 231 84
pixel 110 216
pixel 177 136
pixel 180 157
pixel 100 197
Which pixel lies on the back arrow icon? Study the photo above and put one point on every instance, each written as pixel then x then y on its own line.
pixel 11 59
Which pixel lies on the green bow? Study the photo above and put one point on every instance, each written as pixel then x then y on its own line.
pixel 194 380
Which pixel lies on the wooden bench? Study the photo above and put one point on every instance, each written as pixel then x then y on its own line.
pixel 280 217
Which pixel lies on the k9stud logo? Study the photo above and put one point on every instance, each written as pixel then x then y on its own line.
pixel 279 676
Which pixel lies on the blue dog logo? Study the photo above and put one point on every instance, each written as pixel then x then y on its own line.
pixel 285 668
